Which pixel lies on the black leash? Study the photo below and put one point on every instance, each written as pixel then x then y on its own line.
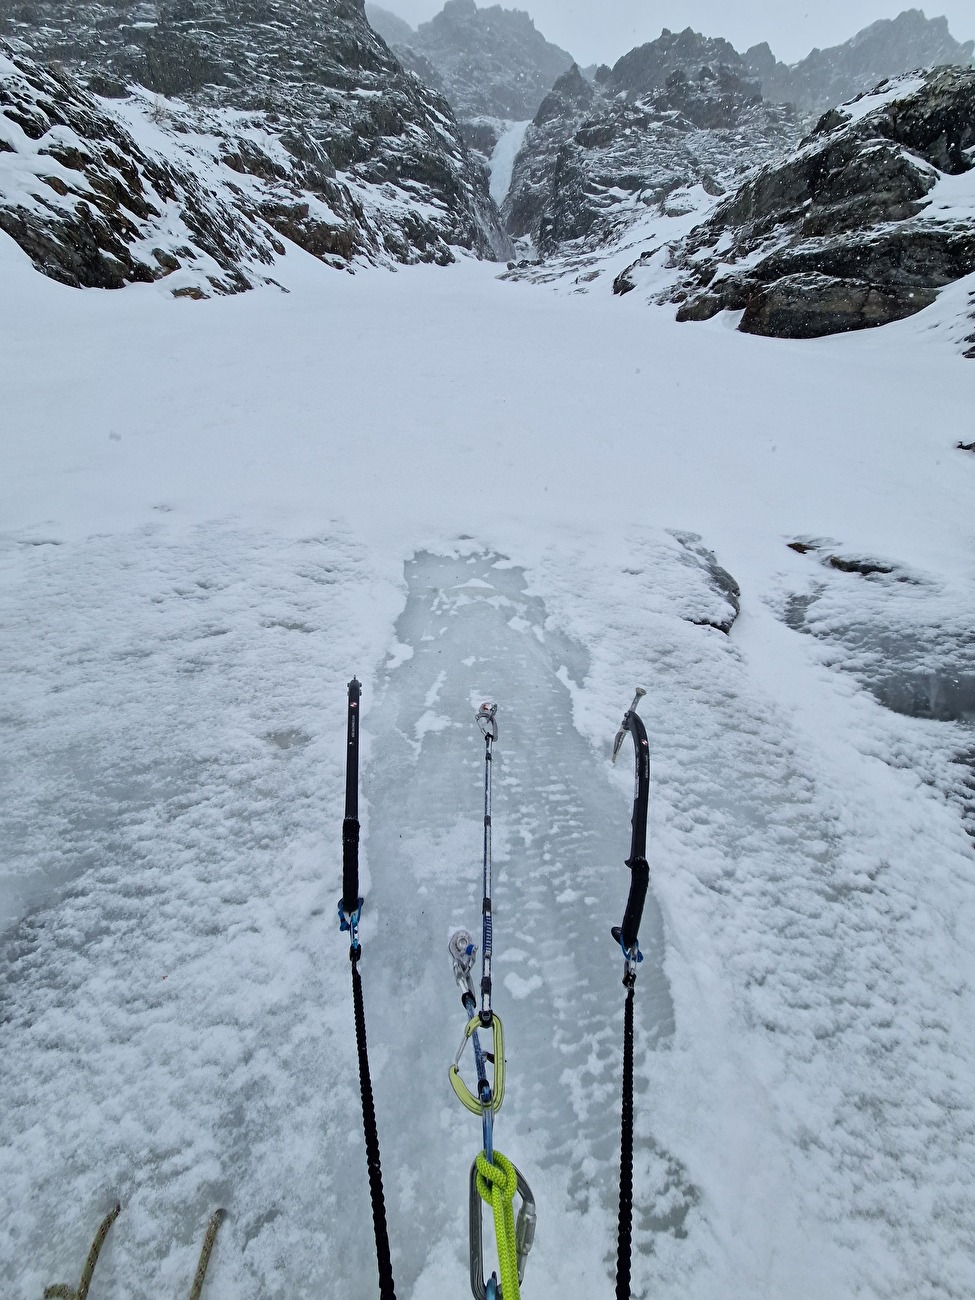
pixel 625 1242
pixel 627 936
pixel 350 911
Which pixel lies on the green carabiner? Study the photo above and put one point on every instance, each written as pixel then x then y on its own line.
pixel 464 1094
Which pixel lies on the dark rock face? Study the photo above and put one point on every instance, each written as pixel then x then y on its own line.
pixel 887 48
pixel 366 142
pixel 809 306
pixel 92 208
pixel 848 233
pixel 490 62
pixel 599 153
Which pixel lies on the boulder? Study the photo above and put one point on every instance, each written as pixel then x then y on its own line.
pixel 809 306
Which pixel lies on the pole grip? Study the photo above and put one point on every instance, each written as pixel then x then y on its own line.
pixel 350 865
pixel 639 884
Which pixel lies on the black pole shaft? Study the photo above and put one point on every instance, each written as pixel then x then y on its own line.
pixel 350 905
pixel 350 826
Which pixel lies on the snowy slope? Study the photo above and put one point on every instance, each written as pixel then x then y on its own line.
pixel 213 514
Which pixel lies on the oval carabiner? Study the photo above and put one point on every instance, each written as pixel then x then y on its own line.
pixel 464 1094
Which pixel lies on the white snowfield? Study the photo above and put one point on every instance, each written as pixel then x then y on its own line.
pixel 213 514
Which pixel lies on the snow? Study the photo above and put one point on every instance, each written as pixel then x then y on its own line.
pixel 895 89
pixel 502 162
pixel 460 488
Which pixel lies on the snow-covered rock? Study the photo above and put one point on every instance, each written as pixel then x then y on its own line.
pixel 93 205
pixel 364 137
pixel 599 154
pixel 864 224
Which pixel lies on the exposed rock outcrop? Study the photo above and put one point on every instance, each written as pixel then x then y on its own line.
pixel 870 217
pixel 369 150
pixel 887 48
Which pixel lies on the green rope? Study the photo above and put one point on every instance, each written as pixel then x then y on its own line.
pixel 62 1292
pixel 497 1184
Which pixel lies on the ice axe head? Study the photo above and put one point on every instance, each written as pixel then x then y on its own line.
pixel 625 724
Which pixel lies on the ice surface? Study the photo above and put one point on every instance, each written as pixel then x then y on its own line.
pixel 560 836
pixel 503 159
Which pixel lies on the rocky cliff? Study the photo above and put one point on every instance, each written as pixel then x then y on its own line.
pixel 363 161
pixel 863 224
pixel 669 115
pixel 886 48
pixel 101 197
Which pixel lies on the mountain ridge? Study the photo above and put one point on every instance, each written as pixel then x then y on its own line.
pixel 362 135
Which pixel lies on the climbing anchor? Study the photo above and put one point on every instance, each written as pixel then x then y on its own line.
pixel 494 1179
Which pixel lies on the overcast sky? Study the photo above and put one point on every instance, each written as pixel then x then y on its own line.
pixel 602 30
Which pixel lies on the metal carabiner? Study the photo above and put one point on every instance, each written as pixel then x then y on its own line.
pixel 486 719
pixel 464 1094
pixel 524 1236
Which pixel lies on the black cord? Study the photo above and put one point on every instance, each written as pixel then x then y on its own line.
pixel 386 1287
pixel 626 1158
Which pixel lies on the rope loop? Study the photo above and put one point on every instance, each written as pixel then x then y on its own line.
pixel 497 1183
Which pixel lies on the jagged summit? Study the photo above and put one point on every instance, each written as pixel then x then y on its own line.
pixel 572 90
pixel 648 66
pixel 491 62
pixel 594 158
pixel 886 48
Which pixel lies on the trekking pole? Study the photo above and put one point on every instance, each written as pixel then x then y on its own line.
pixel 350 913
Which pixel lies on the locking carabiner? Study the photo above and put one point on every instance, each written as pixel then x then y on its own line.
pixel 482 1287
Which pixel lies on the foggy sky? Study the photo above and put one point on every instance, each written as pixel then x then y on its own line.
pixel 600 31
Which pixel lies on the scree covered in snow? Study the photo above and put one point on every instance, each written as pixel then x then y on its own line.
pixel 213 514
